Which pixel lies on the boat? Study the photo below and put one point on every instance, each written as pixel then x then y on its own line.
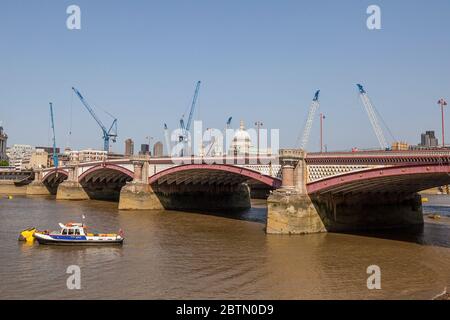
pixel 76 234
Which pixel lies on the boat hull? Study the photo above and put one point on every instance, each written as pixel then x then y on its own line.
pixel 46 240
pixel 79 243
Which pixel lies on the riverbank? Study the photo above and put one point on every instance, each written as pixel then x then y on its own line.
pixel 7 187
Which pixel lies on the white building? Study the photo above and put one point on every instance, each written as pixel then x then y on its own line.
pixel 87 155
pixel 19 156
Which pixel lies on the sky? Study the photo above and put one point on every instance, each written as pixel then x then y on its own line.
pixel 257 60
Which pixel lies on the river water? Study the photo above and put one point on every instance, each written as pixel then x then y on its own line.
pixel 180 255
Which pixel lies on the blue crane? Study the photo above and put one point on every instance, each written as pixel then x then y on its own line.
pixel 107 134
pixel 55 156
pixel 185 129
pixel 229 122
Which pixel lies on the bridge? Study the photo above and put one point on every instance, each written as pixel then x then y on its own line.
pixel 306 193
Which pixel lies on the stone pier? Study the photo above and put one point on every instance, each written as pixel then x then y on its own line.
pixel 37 187
pixel 138 194
pixel 290 209
pixel 71 189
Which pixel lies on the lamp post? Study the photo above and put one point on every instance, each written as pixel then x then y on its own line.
pixel 442 103
pixel 322 116
pixel 258 125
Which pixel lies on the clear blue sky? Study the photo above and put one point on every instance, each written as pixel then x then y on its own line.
pixel 258 60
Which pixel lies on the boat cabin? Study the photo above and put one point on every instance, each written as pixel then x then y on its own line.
pixel 72 229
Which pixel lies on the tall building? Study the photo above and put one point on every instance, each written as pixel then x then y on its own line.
pixel 3 140
pixel 428 140
pixel 129 147
pixel 158 149
pixel 145 149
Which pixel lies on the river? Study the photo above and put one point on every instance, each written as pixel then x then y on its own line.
pixel 181 255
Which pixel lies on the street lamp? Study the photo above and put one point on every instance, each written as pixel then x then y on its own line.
pixel 322 117
pixel 442 103
pixel 258 125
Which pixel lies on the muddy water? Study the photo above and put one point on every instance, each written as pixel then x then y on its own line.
pixel 194 256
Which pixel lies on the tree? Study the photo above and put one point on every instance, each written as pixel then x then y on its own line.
pixel 4 163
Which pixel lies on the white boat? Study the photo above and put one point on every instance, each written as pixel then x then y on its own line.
pixel 76 234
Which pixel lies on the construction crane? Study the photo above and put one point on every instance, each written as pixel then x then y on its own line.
pixel 55 156
pixel 213 138
pixel 309 121
pixel 185 128
pixel 110 134
pixel 167 139
pixel 229 122
pixel 370 109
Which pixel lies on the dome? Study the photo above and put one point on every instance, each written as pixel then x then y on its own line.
pixel 241 141
pixel 241 134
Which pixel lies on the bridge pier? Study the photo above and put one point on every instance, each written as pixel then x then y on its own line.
pixel 290 209
pixel 138 194
pixel 71 189
pixel 37 187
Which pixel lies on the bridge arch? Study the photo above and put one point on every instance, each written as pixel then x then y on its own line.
pixel 217 174
pixel 55 175
pixel 104 181
pixel 106 173
pixel 53 178
pixel 395 179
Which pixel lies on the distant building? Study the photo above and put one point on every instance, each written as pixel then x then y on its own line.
pixel 428 140
pixel 129 147
pixel 87 155
pixel 49 150
pixel 158 149
pixel 145 149
pixel 400 146
pixel 19 156
pixel 241 143
pixel 3 140
pixel 39 159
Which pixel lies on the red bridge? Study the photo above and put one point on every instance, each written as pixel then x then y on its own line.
pixel 311 192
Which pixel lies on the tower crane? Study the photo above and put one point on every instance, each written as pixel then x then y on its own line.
pixel 229 122
pixel 309 121
pixel 185 128
pixel 55 156
pixel 370 109
pixel 167 139
pixel 108 134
